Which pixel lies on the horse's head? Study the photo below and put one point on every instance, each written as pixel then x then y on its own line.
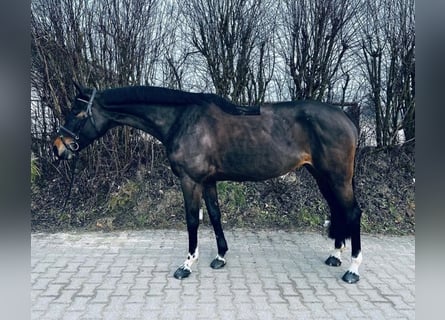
pixel 82 126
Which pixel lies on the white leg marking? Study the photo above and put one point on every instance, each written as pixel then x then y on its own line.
pixel 337 252
pixel 355 264
pixel 218 257
pixel 191 259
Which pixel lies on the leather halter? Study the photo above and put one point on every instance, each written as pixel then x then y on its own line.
pixel 74 146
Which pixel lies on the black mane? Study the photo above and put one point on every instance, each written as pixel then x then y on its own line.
pixel 170 97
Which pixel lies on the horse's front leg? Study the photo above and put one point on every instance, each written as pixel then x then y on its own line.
pixel 211 200
pixel 334 260
pixel 192 193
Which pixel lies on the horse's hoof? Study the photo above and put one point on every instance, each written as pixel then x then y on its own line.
pixel 350 277
pixel 182 272
pixel 218 263
pixel 333 261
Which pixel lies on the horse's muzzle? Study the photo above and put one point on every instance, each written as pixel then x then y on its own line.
pixel 61 151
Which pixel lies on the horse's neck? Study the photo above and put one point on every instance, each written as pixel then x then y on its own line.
pixel 155 120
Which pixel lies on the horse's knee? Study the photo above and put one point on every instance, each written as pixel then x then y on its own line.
pixel 192 219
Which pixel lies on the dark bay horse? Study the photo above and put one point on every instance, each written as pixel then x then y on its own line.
pixel 209 139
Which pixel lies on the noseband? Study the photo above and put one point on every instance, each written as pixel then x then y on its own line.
pixel 74 146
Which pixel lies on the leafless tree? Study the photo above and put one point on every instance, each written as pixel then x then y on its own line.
pixel 388 52
pixel 236 39
pixel 178 64
pixel 106 43
pixel 127 41
pixel 315 38
pixel 97 43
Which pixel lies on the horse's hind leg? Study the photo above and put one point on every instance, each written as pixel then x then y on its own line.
pixel 211 200
pixel 352 275
pixel 345 218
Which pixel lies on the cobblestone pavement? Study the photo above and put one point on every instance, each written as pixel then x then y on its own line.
pixel 269 275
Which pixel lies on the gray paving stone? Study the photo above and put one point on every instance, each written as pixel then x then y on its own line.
pixel 269 275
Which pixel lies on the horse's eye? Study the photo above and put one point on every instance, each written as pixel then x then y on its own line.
pixel 81 115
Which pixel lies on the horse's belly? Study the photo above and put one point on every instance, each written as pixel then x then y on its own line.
pixel 257 165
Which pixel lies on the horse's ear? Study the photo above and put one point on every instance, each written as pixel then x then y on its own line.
pixel 78 87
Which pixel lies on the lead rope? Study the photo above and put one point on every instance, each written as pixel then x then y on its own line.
pixel 73 169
